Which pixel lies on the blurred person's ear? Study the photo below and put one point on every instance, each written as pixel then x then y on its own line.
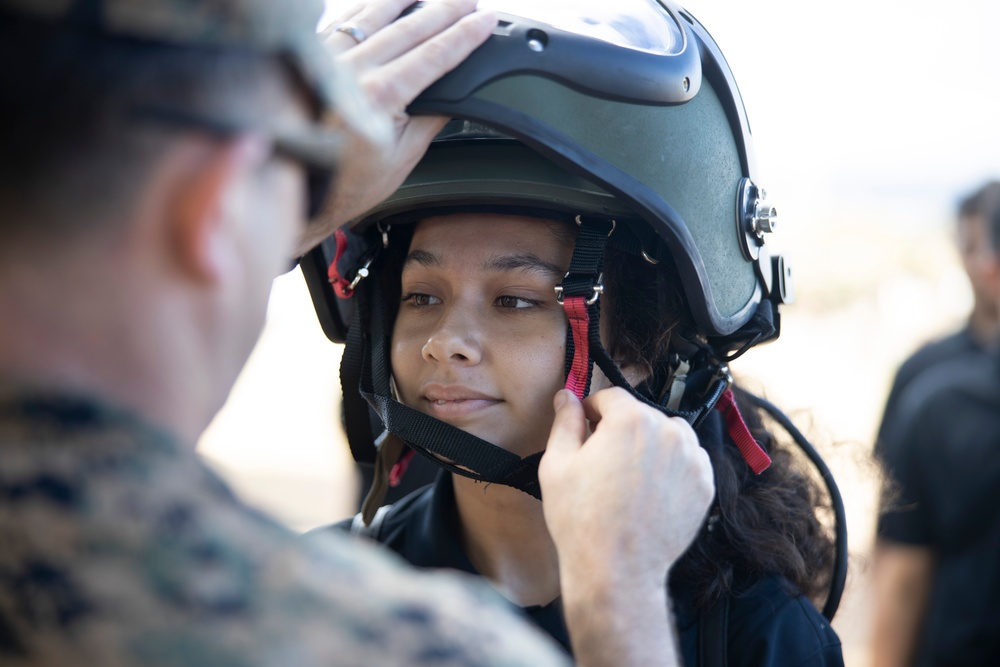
pixel 208 196
pixel 990 267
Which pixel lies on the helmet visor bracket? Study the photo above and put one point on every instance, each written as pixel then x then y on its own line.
pixel 635 51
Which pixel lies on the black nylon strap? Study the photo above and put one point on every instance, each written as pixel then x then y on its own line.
pixel 357 415
pixel 713 634
pixel 588 257
pixel 582 276
pixel 585 268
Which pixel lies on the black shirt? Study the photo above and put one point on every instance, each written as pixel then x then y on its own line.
pixel 948 471
pixel 958 345
pixel 769 623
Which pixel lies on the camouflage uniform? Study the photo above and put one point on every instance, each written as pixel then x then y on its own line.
pixel 120 548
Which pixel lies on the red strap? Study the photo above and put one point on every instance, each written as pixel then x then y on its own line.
pixel 579 325
pixel 753 454
pixel 341 286
pixel 398 470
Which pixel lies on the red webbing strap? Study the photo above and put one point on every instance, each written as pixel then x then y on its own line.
pixel 341 286
pixel 753 454
pixel 579 324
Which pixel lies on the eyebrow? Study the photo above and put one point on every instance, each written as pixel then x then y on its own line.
pixel 423 258
pixel 496 264
pixel 523 262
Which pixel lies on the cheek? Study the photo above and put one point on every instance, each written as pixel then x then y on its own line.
pixel 405 359
pixel 538 362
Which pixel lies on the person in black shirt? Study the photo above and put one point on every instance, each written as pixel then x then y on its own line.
pixel 983 326
pixel 902 563
pixel 937 585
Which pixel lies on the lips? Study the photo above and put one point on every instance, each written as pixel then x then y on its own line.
pixel 454 401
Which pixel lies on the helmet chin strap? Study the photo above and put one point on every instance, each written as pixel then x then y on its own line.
pixel 366 372
pixel 580 293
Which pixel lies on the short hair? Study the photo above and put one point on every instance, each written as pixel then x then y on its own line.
pixel 71 153
pixel 993 228
pixel 982 202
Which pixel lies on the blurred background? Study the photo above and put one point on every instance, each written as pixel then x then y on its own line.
pixel 870 123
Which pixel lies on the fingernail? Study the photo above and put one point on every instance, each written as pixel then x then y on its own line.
pixel 561 397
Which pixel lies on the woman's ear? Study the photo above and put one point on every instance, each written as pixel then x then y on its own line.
pixel 207 201
pixel 635 374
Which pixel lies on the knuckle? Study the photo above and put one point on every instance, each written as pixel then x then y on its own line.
pixel 408 30
pixel 382 90
pixel 437 52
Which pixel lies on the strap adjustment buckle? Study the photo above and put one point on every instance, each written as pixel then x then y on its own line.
pixel 580 288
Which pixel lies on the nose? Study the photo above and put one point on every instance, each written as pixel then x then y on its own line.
pixel 456 338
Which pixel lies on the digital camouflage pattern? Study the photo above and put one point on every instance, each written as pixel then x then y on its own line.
pixel 119 547
pixel 285 29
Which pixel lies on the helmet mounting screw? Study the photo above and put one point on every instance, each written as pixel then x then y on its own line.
pixel 754 218
pixel 765 218
pixel 537 40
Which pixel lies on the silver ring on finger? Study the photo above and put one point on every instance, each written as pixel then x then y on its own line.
pixel 352 31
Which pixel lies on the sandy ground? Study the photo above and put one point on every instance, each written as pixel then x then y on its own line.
pixel 860 310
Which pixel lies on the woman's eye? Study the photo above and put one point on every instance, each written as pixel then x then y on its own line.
pixel 417 299
pixel 514 302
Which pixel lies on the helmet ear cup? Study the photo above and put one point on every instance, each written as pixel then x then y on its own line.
pixel 334 313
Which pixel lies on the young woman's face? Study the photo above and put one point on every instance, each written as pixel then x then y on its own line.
pixel 479 341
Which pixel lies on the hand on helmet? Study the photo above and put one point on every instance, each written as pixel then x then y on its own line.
pixel 394 61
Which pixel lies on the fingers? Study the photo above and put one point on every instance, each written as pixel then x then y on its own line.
pixel 418 133
pixel 398 59
pixel 568 427
pixel 616 410
pixel 413 30
pixel 369 18
pixel 401 79
pixel 614 400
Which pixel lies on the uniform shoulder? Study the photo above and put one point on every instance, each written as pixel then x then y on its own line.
pixel 419 617
pixel 155 561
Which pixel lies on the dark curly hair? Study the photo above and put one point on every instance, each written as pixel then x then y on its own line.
pixel 760 524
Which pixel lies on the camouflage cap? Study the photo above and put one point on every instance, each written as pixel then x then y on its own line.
pixel 285 29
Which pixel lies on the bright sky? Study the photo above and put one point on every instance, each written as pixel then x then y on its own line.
pixel 884 106
pixel 883 102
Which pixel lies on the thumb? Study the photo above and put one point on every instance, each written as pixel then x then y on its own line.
pixel 568 427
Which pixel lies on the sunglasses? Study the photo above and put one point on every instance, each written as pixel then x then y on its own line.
pixel 318 150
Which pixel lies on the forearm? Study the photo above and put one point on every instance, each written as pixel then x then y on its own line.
pixel 619 624
pixel 902 585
